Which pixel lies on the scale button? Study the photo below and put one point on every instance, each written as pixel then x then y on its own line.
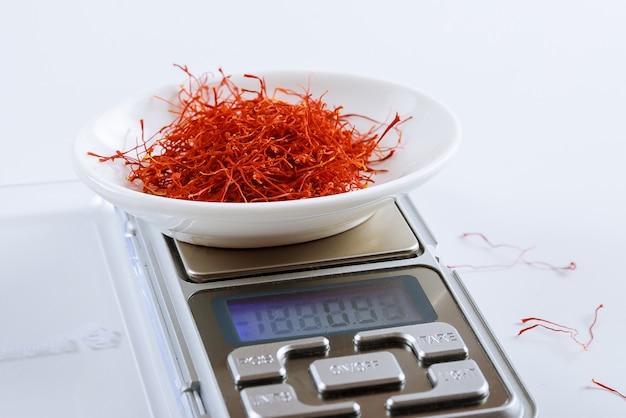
pixel 357 371
pixel 431 342
pixel 280 401
pixel 453 382
pixel 266 362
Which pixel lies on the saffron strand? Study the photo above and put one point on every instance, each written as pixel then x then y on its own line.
pixel 553 326
pixel 609 388
pixel 521 257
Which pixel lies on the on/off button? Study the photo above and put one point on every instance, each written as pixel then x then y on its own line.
pixel 358 371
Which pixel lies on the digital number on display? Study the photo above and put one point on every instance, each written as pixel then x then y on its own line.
pixel 323 310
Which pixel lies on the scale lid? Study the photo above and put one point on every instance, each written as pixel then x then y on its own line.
pixel 75 341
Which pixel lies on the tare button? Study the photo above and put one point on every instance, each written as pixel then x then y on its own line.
pixel 431 342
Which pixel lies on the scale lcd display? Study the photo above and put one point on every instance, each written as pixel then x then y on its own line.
pixel 322 310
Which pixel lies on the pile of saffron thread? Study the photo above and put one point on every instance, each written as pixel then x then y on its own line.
pixel 230 144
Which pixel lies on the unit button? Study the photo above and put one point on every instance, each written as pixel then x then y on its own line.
pixel 358 371
pixel 431 342
pixel 266 362
pixel 453 382
pixel 280 401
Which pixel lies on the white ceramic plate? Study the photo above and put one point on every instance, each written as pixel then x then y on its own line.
pixel 429 139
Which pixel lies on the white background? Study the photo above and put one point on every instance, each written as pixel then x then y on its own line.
pixel 539 88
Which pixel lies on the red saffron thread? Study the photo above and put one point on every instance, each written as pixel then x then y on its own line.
pixel 519 259
pixel 232 144
pixel 609 388
pixel 553 326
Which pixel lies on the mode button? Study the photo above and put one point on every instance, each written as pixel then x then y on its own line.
pixel 266 362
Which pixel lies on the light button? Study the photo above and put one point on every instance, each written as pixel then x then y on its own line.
pixel 368 370
pixel 453 382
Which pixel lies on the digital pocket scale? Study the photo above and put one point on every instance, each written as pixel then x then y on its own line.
pixel 366 323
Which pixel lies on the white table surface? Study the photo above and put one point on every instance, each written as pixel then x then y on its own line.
pixel 539 88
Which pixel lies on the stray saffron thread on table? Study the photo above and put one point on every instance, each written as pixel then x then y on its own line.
pixel 609 388
pixel 553 326
pixel 521 258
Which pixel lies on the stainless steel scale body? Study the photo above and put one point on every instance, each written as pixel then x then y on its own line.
pixel 444 362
